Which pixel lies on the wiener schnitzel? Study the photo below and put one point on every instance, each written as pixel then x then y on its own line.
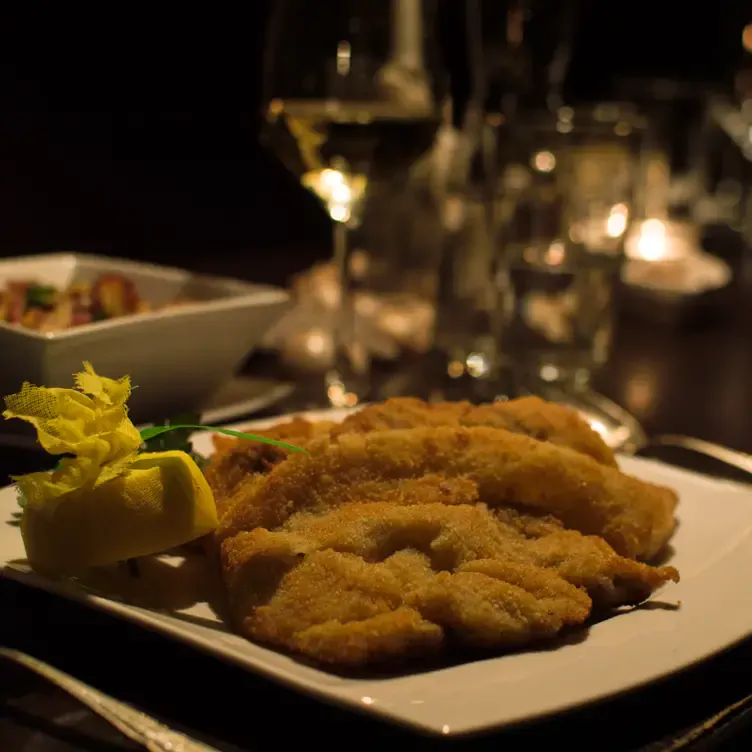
pixel 530 416
pixel 236 460
pixel 411 527
pixel 460 466
pixel 367 582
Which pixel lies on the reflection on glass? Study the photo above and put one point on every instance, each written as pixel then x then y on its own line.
pixel 641 392
pixel 566 206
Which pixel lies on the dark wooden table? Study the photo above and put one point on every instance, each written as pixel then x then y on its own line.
pixel 695 379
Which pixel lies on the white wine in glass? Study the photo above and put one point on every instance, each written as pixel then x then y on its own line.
pixel 351 93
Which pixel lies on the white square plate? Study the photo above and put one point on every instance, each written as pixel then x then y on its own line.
pixel 713 552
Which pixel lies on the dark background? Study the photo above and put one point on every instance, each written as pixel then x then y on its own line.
pixel 134 132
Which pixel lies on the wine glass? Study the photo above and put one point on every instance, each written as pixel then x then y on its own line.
pixel 352 98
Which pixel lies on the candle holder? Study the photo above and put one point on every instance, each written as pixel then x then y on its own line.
pixel 668 277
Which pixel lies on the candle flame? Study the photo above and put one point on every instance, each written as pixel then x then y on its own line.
pixel 653 242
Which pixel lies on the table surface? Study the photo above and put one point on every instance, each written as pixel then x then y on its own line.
pixel 693 379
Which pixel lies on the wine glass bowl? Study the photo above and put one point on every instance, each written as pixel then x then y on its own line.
pixel 340 78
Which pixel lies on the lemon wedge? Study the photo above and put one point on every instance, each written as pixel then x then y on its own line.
pixel 106 502
pixel 161 501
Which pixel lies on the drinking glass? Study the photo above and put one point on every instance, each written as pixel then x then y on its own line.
pixel 517 55
pixel 352 93
pixel 566 199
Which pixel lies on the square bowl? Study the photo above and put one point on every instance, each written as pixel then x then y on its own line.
pixel 177 357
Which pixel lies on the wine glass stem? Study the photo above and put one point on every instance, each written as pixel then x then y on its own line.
pixel 341 264
pixel 343 329
pixel 408 33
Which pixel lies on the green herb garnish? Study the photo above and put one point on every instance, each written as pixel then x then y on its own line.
pixel 175 435
pixel 176 439
pixel 154 431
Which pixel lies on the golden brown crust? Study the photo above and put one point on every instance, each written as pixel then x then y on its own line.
pixel 633 516
pixel 372 582
pixel 235 460
pixel 530 416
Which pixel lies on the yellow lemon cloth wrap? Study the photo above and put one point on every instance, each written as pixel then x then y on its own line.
pixel 107 502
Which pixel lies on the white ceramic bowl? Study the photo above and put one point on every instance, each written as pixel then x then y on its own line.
pixel 177 357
